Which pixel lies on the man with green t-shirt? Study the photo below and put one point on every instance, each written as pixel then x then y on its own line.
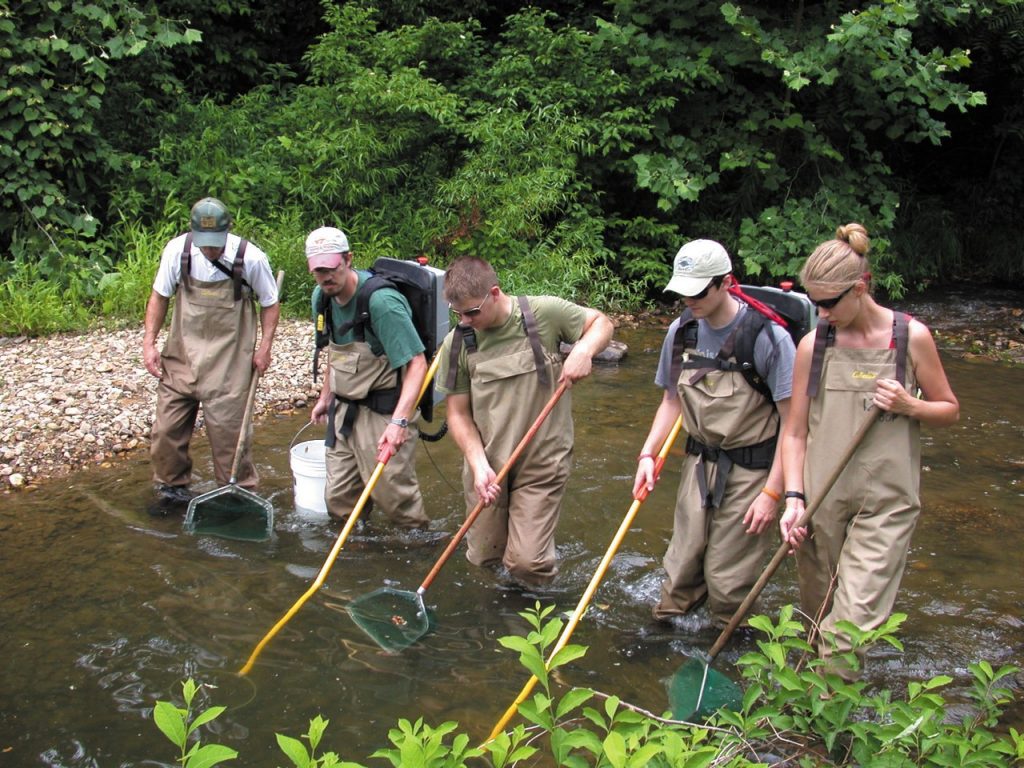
pixel 368 398
pixel 499 368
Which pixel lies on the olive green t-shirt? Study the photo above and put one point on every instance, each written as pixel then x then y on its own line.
pixel 558 320
pixel 390 331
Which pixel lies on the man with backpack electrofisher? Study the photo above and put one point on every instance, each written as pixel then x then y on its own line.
pixel 727 366
pixel 211 350
pixel 375 369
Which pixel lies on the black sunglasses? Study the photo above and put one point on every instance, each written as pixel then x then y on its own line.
pixel 830 303
pixel 715 282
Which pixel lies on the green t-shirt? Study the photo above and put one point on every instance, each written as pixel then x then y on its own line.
pixel 558 320
pixel 390 330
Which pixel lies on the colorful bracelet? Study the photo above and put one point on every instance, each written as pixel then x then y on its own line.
pixel 643 456
pixel 771 494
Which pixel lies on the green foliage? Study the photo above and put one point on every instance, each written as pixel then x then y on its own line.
pixel 416 744
pixel 302 757
pixel 789 691
pixel 401 161
pixel 576 151
pixel 796 710
pixel 125 291
pixel 32 306
pixel 180 726
pixel 59 57
pixel 533 652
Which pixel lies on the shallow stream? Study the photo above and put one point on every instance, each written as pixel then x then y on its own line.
pixel 106 609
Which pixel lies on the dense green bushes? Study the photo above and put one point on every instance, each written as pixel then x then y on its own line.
pixel 577 152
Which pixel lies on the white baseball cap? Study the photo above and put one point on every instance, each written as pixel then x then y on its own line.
pixel 696 264
pixel 324 248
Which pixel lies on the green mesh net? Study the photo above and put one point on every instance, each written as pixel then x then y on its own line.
pixel 696 691
pixel 231 513
pixel 394 618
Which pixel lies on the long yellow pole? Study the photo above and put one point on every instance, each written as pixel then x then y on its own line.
pixel 581 607
pixel 382 460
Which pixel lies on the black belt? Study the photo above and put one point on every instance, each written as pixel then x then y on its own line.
pixel 757 456
pixel 379 401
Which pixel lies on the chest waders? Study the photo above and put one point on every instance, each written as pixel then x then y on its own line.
pixel 860 537
pixel 231 511
pixel 726 404
pixel 732 429
pixel 207 359
pixel 368 389
pixel 510 384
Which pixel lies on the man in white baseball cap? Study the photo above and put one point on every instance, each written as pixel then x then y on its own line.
pixel 732 408
pixel 696 264
pixel 375 369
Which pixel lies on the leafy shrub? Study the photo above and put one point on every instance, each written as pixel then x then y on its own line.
pixel 33 306
pixel 794 710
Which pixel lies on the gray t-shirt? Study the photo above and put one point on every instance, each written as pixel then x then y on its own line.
pixel 773 362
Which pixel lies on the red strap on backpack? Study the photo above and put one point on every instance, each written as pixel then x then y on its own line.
pixel 760 306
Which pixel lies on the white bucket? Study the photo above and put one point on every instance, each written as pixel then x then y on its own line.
pixel 309 467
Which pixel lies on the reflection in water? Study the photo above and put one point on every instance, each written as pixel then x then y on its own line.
pixel 107 609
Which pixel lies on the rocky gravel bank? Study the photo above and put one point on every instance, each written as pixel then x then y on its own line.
pixel 70 401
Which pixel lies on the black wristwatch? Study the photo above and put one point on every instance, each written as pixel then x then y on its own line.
pixel 796 495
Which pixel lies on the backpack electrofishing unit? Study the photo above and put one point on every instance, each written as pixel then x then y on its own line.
pixel 423 287
pixel 793 307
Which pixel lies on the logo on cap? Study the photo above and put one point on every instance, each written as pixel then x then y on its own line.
pixel 210 223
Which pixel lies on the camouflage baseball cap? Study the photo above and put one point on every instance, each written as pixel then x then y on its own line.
pixel 210 223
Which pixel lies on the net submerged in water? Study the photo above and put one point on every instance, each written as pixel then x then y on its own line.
pixel 231 513
pixel 394 618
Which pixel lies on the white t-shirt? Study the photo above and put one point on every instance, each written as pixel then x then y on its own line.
pixel 255 269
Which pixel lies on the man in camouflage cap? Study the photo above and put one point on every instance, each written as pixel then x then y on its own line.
pixel 211 350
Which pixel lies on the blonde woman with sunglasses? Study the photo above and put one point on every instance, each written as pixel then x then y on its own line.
pixel 851 555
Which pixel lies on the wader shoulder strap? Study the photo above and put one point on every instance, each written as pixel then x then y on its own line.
pixel 236 270
pixel 530 324
pixel 901 341
pixel 685 338
pixel 824 336
pixel 186 261
pixel 321 330
pixel 464 336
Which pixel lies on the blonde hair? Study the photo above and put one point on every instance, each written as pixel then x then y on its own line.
pixel 839 264
pixel 469 278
